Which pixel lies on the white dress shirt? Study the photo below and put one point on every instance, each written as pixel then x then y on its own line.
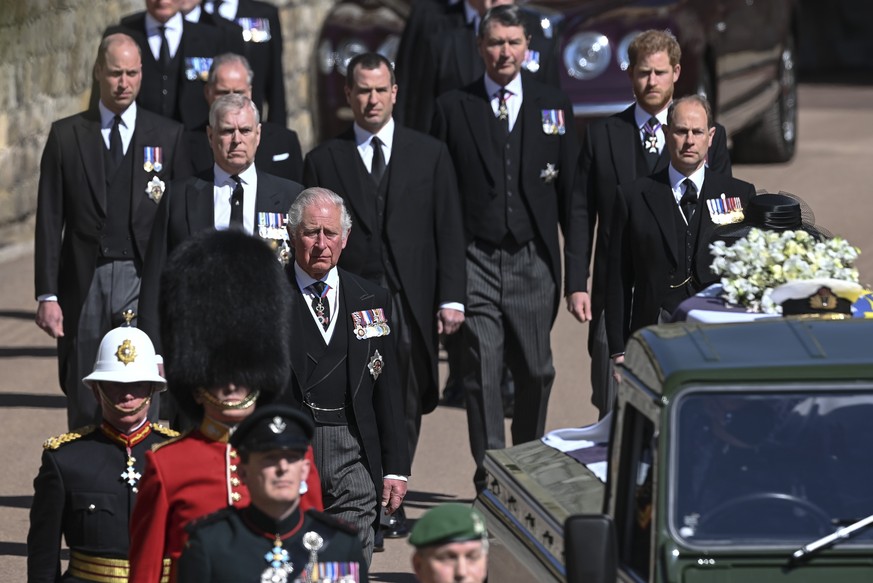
pixel 222 191
pixel 125 128
pixel 362 141
pixel 194 14
pixel 304 280
pixel 513 100
pixel 676 183
pixel 173 32
pixel 227 10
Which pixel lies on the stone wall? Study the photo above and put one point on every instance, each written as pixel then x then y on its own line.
pixel 47 49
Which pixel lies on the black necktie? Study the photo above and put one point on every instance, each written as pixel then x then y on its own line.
pixel 320 303
pixel 503 110
pixel 165 48
pixel 650 142
pixel 236 204
pixel 689 200
pixel 116 149
pixel 377 168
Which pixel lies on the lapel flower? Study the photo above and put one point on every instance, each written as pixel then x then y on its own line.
pixel 155 189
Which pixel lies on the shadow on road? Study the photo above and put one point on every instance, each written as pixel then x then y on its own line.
pixel 427 500
pixel 18 314
pixel 30 401
pixel 36 351
pixel 16 501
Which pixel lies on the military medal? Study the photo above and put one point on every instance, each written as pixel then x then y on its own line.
pixel 725 210
pixel 376 364
pixel 370 323
pixel 280 567
pixel 255 30
pixel 155 189
pixel 313 542
pixel 553 122
pixel 549 173
pixel 148 156
pixel 502 111
pixel 130 475
pixel 531 61
pixel 651 144
pixel 197 68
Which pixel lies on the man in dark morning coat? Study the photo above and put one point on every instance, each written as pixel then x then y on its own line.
pixel 408 234
pixel 279 151
pixel 344 369
pixel 613 153
pixel 662 225
pixel 262 33
pixel 256 203
pixel 515 152
pixel 95 213
pixel 173 75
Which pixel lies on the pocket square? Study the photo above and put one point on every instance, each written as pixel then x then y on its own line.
pixel 280 157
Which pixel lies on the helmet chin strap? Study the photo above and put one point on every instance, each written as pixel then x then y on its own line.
pixel 248 401
pixel 145 403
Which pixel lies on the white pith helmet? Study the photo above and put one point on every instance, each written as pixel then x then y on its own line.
pixel 126 355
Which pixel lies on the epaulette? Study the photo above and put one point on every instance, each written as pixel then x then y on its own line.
pixel 330 520
pixel 165 431
pixel 56 442
pixel 208 519
pixel 178 437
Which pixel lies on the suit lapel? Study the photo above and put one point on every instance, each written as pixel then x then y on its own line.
pixel 401 153
pixel 91 148
pixel 298 357
pixel 623 138
pixel 200 203
pixel 355 299
pixel 143 135
pixel 345 157
pixel 658 196
pixel 477 109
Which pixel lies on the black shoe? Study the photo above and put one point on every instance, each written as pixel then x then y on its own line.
pixel 453 396
pixel 379 542
pixel 394 525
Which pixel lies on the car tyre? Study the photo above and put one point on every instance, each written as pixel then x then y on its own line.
pixel 773 139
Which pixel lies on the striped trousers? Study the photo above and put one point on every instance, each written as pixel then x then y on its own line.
pixel 510 303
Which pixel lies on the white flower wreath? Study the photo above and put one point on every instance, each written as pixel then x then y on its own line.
pixel 763 260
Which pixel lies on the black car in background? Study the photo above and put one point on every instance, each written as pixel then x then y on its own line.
pixel 741 54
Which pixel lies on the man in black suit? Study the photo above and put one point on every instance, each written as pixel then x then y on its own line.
pixel 515 153
pixel 102 175
pixel 344 369
pixel 662 225
pixel 279 151
pixel 618 150
pixel 262 33
pixel 176 58
pixel 400 188
pixel 232 194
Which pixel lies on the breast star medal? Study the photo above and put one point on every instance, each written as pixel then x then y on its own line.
pixel 280 567
pixel 376 364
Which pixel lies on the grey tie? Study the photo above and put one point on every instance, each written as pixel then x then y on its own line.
pixel 688 202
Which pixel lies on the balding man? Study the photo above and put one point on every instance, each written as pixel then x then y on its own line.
pixel 278 153
pixel 102 176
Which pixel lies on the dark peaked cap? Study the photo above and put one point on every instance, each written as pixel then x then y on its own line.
pixel 224 309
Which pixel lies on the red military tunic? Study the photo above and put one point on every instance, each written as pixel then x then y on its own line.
pixel 184 479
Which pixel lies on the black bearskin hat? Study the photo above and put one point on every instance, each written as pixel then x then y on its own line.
pixel 225 317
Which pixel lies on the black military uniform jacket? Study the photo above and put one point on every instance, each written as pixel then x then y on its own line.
pixel 80 493
pixel 229 546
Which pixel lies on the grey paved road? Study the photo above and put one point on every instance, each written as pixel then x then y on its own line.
pixel 831 172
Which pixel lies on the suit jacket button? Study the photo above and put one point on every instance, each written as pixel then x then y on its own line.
pixel 91 508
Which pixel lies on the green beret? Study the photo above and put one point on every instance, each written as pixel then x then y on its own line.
pixel 448 523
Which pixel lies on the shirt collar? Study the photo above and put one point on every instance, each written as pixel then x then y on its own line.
pixel 128 116
pixel 194 14
pixel 304 280
pixel 641 116
pixel 514 86
pixel 470 13
pixel 174 23
pixel 676 177
pixel 247 176
pixel 386 134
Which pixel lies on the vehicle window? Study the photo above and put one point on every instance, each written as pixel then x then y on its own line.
pixel 635 524
pixel 770 467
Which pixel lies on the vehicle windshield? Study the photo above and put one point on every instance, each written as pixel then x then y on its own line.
pixel 770 467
